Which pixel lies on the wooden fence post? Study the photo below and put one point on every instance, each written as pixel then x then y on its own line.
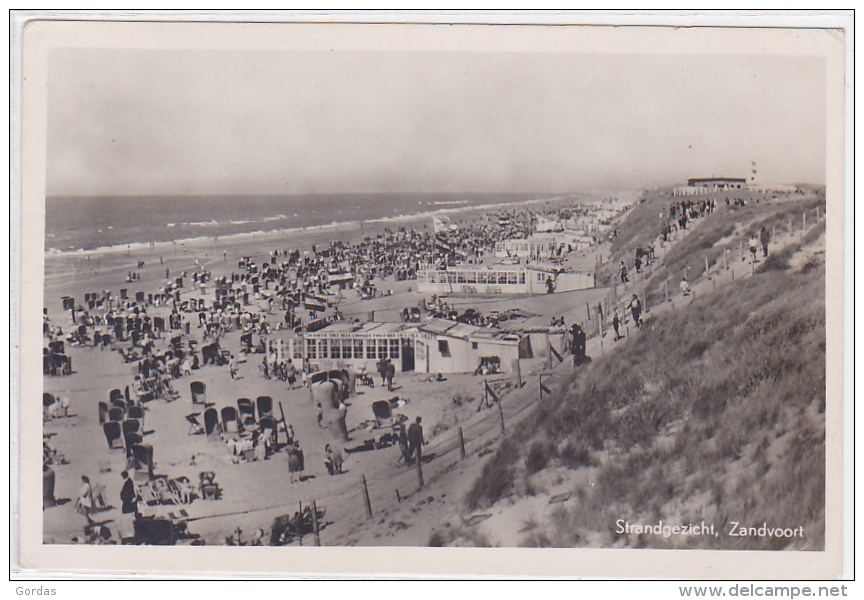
pixel 419 469
pixel 725 260
pixel 315 528
pixel 707 270
pixel 366 498
pixel 600 332
pixel 501 414
pixel 666 288
pixel 461 445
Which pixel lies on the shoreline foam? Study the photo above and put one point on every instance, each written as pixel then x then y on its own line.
pixel 239 236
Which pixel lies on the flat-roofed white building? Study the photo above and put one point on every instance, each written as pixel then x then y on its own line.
pixel 345 344
pixel 502 280
pixel 543 245
pixel 443 346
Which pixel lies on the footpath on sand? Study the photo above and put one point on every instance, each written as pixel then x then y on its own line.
pixel 402 511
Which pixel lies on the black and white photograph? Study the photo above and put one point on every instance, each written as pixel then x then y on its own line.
pixel 401 287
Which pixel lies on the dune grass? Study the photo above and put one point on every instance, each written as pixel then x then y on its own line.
pixel 714 412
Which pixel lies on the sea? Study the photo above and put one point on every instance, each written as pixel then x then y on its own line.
pixel 74 224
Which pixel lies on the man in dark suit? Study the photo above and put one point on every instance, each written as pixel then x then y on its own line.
pixel 415 440
pixel 129 500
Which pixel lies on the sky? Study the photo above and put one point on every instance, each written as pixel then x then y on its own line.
pixel 163 122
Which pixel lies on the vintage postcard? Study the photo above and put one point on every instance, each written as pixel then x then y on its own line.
pixel 549 299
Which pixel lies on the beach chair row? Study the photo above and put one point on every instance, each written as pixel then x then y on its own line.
pixel 233 420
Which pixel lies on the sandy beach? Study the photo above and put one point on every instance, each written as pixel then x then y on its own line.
pixel 254 494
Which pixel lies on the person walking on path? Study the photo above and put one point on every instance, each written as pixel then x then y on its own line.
pixel 415 440
pixel 636 311
pixel 754 244
pixel 765 239
pixel 295 465
pixel 403 445
pixel 616 323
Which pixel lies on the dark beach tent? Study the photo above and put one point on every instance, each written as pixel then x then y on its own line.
pixel 116 414
pixel 131 426
pixel 208 486
pixel 199 392
pixel 247 411
pixel 115 394
pixel 338 375
pixel 229 420
pixel 265 406
pixel 103 412
pixel 48 499
pixel 154 531
pixel 317 377
pixel 136 412
pixel 113 434
pixel 211 421
pixel 63 364
pixel 143 459
pixel 47 399
pixel 382 412
pixel 246 342
pixel 269 424
pixel 131 439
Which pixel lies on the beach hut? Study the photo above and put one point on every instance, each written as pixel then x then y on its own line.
pixel 444 346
